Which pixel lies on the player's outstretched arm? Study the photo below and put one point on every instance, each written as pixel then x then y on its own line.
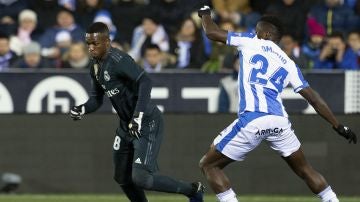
pixel 92 104
pixel 319 105
pixel 323 110
pixel 212 31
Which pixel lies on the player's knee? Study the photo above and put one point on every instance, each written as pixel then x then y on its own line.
pixel 203 164
pixel 142 178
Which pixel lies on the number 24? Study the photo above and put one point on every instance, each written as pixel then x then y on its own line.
pixel 277 79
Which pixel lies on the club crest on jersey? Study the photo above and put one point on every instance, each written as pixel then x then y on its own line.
pixel 106 76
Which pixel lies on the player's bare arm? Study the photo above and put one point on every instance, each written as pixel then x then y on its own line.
pixel 319 105
pixel 324 111
pixel 212 30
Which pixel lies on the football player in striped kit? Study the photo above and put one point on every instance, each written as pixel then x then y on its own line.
pixel 265 70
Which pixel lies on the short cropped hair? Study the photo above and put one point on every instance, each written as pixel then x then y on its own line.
pixel 275 21
pixel 98 27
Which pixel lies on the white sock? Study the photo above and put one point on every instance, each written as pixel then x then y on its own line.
pixel 327 195
pixel 227 196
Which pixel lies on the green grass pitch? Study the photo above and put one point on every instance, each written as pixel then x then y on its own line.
pixel 155 198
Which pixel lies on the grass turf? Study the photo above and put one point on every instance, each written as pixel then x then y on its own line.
pixel 154 198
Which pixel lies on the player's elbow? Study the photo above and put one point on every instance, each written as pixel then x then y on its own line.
pixel 214 36
pixel 312 102
pixel 211 34
pixel 311 96
pixel 315 100
pixel 319 106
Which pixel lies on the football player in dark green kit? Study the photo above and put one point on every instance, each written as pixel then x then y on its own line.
pixel 138 138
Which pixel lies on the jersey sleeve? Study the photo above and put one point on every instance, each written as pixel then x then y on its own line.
pixel 128 68
pixel 296 79
pixel 239 38
pixel 131 70
pixel 96 94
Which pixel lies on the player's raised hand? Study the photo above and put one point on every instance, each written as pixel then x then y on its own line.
pixel 135 124
pixel 205 10
pixel 346 133
pixel 77 112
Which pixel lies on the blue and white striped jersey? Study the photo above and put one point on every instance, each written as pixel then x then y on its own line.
pixel 265 70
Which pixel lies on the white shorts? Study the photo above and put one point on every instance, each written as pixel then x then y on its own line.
pixel 247 132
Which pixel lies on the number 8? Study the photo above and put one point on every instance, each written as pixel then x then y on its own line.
pixel 117 143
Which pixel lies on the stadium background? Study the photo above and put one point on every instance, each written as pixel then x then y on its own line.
pixel 56 155
pixel 53 154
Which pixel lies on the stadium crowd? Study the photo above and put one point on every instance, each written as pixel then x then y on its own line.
pixel 166 34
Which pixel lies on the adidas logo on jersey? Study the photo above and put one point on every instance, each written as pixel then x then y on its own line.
pixel 138 161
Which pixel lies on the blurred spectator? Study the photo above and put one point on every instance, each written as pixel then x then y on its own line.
pixel 9 10
pixel 293 16
pixel 86 11
pixel 312 47
pixel 357 7
pixel 336 55
pixel 68 4
pixel 27 31
pixel 63 41
pixel 76 57
pixel 291 47
pixel 55 53
pixel 154 59
pixel 169 12
pixel 9 183
pixel 229 10
pixel 222 56
pixel 187 45
pixel 127 14
pixel 350 3
pixel 261 5
pixel 149 32
pixel 65 22
pixel 239 12
pixel 32 58
pixel 104 16
pixel 228 96
pixel 46 12
pixel 7 56
pixel 334 16
pixel 248 20
pixel 354 43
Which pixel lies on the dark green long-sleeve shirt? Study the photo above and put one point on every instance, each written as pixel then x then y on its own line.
pixel 123 81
